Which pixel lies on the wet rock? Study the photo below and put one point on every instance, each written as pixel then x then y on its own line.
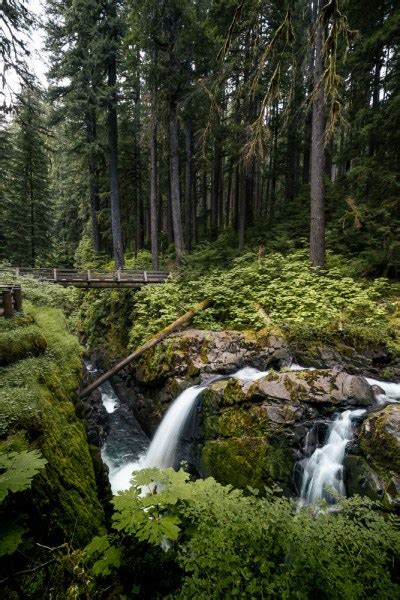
pixel 331 388
pixel 194 351
pixel 380 444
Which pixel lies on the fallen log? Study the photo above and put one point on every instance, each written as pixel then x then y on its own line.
pixel 181 322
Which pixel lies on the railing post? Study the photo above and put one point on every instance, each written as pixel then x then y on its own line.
pixel 88 275
pixel 145 276
pixel 55 274
pixel 8 302
pixel 17 271
pixel 17 292
pixel 119 275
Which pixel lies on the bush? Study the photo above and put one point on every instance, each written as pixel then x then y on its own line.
pixel 227 544
pixel 291 295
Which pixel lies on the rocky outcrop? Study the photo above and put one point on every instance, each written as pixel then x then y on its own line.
pixel 378 468
pixel 194 352
pixel 253 432
pixel 373 360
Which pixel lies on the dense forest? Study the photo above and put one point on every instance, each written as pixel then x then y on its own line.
pixel 167 124
pixel 199 299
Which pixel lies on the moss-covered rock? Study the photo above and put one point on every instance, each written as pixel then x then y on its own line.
pixel 19 339
pixel 380 444
pixel 195 351
pixel 37 412
pixel 248 461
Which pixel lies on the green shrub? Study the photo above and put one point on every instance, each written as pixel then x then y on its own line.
pixel 226 544
pixel 293 298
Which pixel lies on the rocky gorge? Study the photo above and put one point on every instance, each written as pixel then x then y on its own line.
pixel 247 432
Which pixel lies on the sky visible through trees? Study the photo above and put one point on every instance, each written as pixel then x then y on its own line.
pixel 164 125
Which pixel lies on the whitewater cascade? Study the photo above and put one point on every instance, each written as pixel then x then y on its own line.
pixel 162 450
pixel 323 470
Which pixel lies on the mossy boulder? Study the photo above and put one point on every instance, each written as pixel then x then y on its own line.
pixel 195 351
pixel 253 430
pixel 329 387
pixel 248 461
pixel 380 444
pixel 19 339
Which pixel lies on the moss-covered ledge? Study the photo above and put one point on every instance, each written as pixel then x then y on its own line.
pixel 37 412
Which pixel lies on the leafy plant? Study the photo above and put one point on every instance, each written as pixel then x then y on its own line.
pixel 224 543
pixel 17 469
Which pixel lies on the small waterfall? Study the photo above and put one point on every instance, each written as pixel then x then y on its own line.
pixel 162 450
pixel 323 470
pixel 391 390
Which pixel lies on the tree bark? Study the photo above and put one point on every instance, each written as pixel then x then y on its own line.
pixel 153 189
pixel 112 120
pixel 175 191
pixel 91 135
pixel 317 224
pixel 188 184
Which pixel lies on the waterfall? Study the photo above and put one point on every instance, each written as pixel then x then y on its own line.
pixel 391 390
pixel 162 450
pixel 323 470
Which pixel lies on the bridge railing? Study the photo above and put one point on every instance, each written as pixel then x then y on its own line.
pixel 87 275
pixel 10 299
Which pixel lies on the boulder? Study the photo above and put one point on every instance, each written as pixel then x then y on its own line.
pixel 330 388
pixel 380 444
pixel 253 431
pixel 193 352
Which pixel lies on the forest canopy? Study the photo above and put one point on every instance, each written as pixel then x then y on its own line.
pixel 165 124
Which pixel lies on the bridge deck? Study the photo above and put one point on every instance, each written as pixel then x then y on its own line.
pixel 92 278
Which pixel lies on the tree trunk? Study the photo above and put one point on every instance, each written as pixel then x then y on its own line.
pixel 113 145
pixel 189 185
pixel 91 135
pixel 175 191
pixel 242 207
pixel 153 188
pixel 317 225
pixel 181 322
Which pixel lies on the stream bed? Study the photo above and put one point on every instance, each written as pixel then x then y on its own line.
pixel 127 448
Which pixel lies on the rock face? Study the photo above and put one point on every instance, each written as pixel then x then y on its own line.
pixel 193 352
pixel 253 432
pixel 378 468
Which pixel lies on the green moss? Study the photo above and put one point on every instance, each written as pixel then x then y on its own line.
pixel 233 393
pixel 380 442
pixel 237 422
pixel 247 461
pixel 24 342
pixel 37 411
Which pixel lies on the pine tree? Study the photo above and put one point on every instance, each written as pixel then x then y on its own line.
pixel 30 212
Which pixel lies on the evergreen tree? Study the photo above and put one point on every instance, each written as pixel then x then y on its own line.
pixel 29 211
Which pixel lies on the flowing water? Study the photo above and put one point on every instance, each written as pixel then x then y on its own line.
pixel 162 451
pixel 127 448
pixel 323 470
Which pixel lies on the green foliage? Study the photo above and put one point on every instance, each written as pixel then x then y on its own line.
pixel 228 544
pixel 17 470
pixel 293 298
pixel 105 556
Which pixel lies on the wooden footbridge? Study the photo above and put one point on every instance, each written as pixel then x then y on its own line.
pixel 91 278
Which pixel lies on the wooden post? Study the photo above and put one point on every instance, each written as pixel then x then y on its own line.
pixel 184 320
pixel 8 302
pixel 88 275
pixel 17 271
pixel 119 275
pixel 55 274
pixel 145 276
pixel 17 291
